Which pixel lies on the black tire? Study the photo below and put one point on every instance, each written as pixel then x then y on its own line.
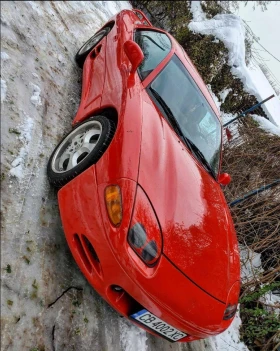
pixel 89 45
pixel 58 176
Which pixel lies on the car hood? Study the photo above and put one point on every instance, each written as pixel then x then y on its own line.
pixel 198 233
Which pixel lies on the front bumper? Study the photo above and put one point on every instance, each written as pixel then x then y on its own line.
pixel 108 261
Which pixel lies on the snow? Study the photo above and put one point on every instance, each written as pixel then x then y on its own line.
pixel 26 129
pixel 225 116
pixel 18 164
pixel 229 339
pixel 197 12
pixel 251 268
pixel 227 28
pixel 230 29
pixel 251 264
pixel 223 94
pixel 264 90
pixel 271 301
pixel 4 56
pixel 3 90
pixel 115 6
pixel 267 125
pixel 111 6
pixel 35 75
pixel 215 98
pixel 132 337
pixel 35 98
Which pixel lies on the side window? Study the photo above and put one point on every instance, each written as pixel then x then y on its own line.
pixel 155 46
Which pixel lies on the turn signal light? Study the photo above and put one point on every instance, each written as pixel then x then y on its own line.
pixel 113 201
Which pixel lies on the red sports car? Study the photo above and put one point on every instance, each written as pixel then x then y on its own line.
pixel 140 199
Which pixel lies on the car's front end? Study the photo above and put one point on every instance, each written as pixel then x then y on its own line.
pixel 128 280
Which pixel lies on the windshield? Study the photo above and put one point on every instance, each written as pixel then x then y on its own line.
pixel 196 119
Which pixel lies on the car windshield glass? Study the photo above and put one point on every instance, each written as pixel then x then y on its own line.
pixel 175 91
pixel 155 47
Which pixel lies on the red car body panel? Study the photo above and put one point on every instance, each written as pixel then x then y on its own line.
pixel 198 271
pixel 190 206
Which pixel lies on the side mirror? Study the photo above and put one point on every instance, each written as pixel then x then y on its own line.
pixel 134 54
pixel 224 179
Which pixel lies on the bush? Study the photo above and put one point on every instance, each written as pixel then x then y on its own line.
pixel 260 326
pixel 253 159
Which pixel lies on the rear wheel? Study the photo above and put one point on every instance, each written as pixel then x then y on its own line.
pixel 79 149
pixel 89 45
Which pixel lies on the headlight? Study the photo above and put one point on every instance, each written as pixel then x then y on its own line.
pixel 144 235
pixel 232 301
pixel 230 312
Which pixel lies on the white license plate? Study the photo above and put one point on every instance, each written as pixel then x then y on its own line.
pixel 159 326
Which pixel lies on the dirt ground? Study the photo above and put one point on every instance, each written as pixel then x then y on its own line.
pixel 46 303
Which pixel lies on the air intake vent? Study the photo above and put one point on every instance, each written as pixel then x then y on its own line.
pixel 95 52
pixel 91 254
pixel 82 254
pixel 90 248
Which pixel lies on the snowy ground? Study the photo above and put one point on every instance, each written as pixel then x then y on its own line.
pixel 46 303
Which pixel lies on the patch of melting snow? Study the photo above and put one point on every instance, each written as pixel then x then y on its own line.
pixel 226 117
pixel 267 125
pixel 251 264
pixel 214 97
pixel 271 300
pixel 36 8
pixel 132 337
pixel 3 90
pixel 223 94
pixel 230 30
pixel 18 164
pixel 111 6
pixel 35 98
pixel 198 14
pixel 60 58
pixel 35 75
pixel 229 339
pixel 225 27
pixel 4 56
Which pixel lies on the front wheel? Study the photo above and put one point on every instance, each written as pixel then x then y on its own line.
pixel 80 149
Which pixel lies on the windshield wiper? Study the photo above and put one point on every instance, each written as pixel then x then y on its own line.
pixel 195 150
pixel 201 157
pixel 168 112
